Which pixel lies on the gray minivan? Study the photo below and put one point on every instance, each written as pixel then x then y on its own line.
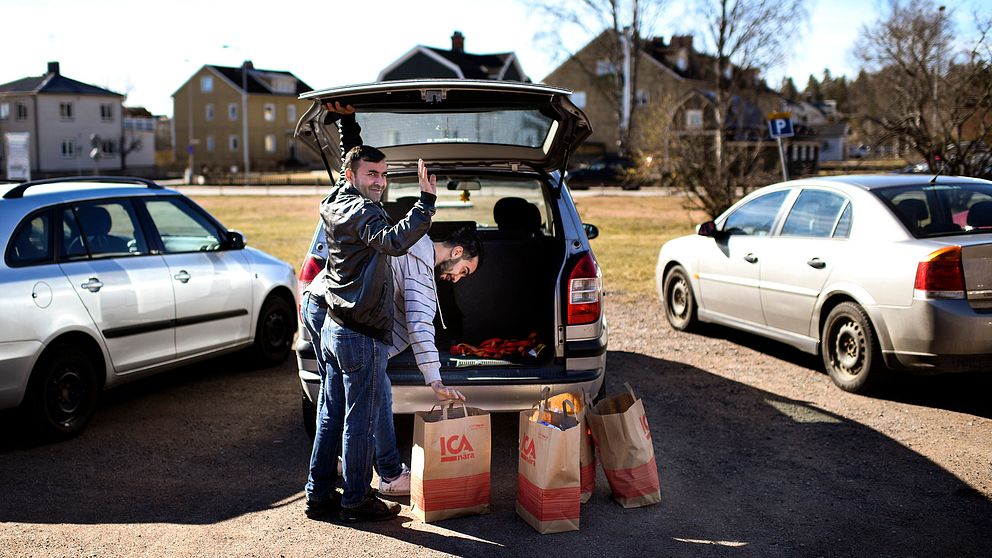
pixel 499 150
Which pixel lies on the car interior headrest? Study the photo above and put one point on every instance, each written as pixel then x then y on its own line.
pixel 915 210
pixel 95 220
pixel 517 214
pixel 980 214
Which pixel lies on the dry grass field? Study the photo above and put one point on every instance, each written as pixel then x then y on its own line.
pixel 632 228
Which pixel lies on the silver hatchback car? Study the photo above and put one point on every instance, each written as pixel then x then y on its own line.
pixel 498 150
pixel 869 271
pixel 105 280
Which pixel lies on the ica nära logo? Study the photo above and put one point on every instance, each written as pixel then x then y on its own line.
pixel 456 448
pixel 527 451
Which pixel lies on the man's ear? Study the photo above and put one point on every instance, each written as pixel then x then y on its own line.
pixel 457 252
pixel 349 175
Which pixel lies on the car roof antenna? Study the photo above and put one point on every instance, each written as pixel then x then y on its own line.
pixel 943 165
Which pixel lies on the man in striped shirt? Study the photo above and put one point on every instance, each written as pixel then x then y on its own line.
pixel 414 308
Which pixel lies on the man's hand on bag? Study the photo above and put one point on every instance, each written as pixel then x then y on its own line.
pixel 427 184
pixel 445 393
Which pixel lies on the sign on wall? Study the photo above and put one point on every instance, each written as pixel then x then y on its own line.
pixel 18 155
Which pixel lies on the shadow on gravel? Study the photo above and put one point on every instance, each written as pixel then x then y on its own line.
pixel 963 393
pixel 744 473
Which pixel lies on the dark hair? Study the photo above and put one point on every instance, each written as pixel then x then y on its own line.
pixel 365 153
pixel 469 240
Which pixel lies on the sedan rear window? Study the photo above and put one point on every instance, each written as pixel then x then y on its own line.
pixel 941 209
pixel 525 128
pixel 31 244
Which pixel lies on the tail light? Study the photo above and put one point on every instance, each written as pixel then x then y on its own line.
pixel 940 275
pixel 585 286
pixel 311 267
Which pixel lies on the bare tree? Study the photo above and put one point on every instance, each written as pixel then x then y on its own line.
pixel 630 23
pixel 926 90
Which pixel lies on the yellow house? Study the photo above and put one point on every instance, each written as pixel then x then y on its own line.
pixel 233 120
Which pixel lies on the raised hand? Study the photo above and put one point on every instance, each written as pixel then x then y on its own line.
pixel 339 108
pixel 427 184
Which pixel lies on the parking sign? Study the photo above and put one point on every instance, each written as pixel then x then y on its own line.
pixel 780 125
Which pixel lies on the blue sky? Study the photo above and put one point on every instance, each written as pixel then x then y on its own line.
pixel 148 48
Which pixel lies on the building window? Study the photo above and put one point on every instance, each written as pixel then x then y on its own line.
pixel 291 113
pixel 232 111
pixel 269 112
pixel 206 84
pixel 210 143
pixel 605 67
pixel 4 111
pixel 232 143
pixel 68 148
pixel 270 143
pixel 65 110
pixel 579 99
pixel 210 112
pixel 641 98
pixel 22 111
pixel 108 148
pixel 106 112
pixel 284 86
pixel 694 119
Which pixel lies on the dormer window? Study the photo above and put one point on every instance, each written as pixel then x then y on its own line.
pixel 605 67
pixel 282 85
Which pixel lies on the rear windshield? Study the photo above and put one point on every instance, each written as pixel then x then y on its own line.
pixel 941 209
pixel 490 202
pixel 525 128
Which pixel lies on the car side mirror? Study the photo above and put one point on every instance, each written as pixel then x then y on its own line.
pixel 235 240
pixel 707 229
pixel 592 231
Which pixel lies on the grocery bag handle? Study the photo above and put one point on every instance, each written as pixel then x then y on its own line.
pixel 631 390
pixel 449 403
pixel 568 402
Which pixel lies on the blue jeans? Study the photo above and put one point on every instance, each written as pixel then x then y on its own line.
pixel 366 359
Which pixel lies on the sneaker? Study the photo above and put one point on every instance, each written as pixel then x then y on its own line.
pixel 321 508
pixel 400 486
pixel 371 509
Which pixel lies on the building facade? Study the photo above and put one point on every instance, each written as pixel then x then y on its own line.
pixel 430 62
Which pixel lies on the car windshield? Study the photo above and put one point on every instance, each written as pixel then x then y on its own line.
pixel 478 205
pixel 524 128
pixel 941 209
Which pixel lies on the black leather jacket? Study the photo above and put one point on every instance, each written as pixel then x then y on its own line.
pixel 360 239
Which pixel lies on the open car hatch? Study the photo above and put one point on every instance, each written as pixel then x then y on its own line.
pixel 452 122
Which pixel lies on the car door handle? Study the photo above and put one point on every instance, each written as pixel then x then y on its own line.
pixel 817 263
pixel 183 276
pixel 93 285
pixel 751 258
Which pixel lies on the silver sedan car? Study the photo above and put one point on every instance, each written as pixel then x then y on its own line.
pixel 875 273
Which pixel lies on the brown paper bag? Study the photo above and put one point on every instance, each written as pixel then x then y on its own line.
pixel 623 439
pixel 548 471
pixel 587 454
pixel 449 468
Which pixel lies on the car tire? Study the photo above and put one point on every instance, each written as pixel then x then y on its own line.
pixel 679 302
pixel 850 349
pixel 62 394
pixel 309 417
pixel 274 332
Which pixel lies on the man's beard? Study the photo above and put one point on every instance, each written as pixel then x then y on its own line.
pixel 446 266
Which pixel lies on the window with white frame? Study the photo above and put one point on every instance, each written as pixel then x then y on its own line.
pixel 641 98
pixel 68 148
pixel 22 111
pixel 210 111
pixel 65 110
pixel 232 111
pixel 270 143
pixel 605 67
pixel 291 114
pixel 206 84
pixel 106 112
pixel 4 111
pixel 694 119
pixel 284 85
pixel 579 99
pixel 210 143
pixel 269 112
pixel 232 143
pixel 108 148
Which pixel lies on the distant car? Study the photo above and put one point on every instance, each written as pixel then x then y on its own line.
pixel 921 167
pixel 605 171
pixel 865 270
pixel 105 280
pixel 497 149
pixel 858 151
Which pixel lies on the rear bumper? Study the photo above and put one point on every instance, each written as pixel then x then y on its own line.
pixel 938 336
pixel 16 360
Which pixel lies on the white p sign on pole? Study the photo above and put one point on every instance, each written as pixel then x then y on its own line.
pixel 780 126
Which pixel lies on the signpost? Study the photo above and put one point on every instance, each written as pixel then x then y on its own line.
pixel 780 126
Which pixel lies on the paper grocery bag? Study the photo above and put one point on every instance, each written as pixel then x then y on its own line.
pixel 622 436
pixel 449 468
pixel 548 471
pixel 587 454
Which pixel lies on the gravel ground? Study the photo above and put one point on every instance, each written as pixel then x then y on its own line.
pixel 759 455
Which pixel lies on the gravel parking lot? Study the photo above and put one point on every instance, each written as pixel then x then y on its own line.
pixel 759 455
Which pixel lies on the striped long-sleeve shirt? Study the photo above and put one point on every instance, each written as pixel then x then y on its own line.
pixel 415 305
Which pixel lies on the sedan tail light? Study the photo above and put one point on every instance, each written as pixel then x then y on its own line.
pixel 310 268
pixel 940 275
pixel 585 285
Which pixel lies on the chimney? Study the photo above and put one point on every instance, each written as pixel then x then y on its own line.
pixel 247 65
pixel 457 42
pixel 53 68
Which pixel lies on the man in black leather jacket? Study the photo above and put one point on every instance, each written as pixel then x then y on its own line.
pixel 358 293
